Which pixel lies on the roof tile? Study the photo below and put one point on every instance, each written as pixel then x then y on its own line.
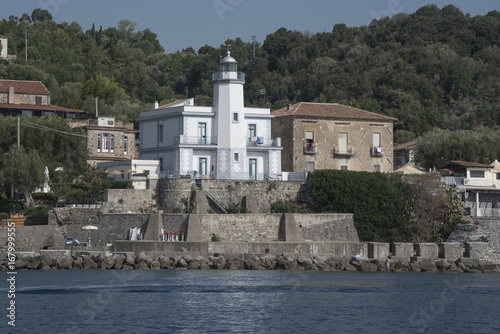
pixel 330 110
pixel 24 87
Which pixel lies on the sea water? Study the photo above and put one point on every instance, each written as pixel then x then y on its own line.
pixel 220 301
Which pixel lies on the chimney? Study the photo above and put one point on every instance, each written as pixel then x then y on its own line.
pixel 11 95
pixel 288 107
pixel 156 105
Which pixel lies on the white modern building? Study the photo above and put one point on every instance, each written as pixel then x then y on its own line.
pixel 226 141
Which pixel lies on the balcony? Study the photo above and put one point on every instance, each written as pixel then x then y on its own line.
pixel 344 152
pixel 195 140
pixel 377 151
pixel 261 141
pixel 311 148
pixel 228 75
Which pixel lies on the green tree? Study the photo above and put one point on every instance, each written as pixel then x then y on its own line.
pixel 23 170
pixel 40 15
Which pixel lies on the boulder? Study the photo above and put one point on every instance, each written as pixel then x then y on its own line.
pixel 155 265
pixel 120 259
pixel 88 263
pixel 77 262
pixel 286 262
pixel 428 265
pixel 64 262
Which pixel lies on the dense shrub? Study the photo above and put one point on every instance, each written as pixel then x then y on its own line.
pixel 287 207
pixel 382 204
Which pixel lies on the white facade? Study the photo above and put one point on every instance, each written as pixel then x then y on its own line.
pixel 226 141
pixel 140 172
pixel 4 47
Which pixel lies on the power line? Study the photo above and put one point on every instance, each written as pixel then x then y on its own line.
pixel 41 127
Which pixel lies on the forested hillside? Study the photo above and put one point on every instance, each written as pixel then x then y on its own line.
pixel 433 68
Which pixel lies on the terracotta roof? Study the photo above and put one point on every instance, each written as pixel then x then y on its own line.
pixel 24 87
pixel 405 146
pixel 465 164
pixel 172 103
pixel 330 110
pixel 37 107
pixel 1 36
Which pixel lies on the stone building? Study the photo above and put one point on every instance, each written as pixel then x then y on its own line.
pixel 30 98
pixel 333 136
pixel 109 140
pixel 225 141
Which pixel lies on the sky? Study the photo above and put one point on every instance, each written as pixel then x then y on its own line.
pixel 180 24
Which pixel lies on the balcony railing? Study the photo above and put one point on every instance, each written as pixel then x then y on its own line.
pixel 196 140
pixel 228 75
pixel 344 152
pixel 311 148
pixel 261 141
pixel 377 151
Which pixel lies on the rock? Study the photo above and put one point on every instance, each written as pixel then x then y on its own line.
pixel 235 264
pixel 268 261
pixel 334 262
pixel 362 265
pixel 194 264
pixel 120 259
pixel 428 265
pixel 155 264
pixel 77 262
pixel 181 263
pixel 64 262
pixel 129 260
pixel 306 263
pixel 165 262
pixel 20 264
pixel 253 265
pixel 88 263
pixel 204 266
pixel 46 260
pixel 415 266
pixel 218 262
pixel 286 262
pixel 443 265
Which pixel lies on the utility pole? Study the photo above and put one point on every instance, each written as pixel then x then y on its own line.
pixel 26 43
pixel 96 108
pixel 253 45
pixel 18 132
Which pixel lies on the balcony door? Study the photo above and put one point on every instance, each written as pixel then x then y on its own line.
pixel 343 142
pixel 202 166
pixel 202 133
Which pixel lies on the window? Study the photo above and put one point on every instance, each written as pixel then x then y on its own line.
pixel 344 167
pixel 236 157
pixel 38 100
pixel 498 176
pixel 376 139
pixel 235 117
pixel 311 166
pixel 111 123
pixel 105 142
pixel 160 132
pixel 125 145
pixel 376 168
pixel 112 147
pixel 477 174
pixel 99 143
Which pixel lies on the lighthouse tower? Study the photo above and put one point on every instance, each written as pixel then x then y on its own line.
pixel 229 122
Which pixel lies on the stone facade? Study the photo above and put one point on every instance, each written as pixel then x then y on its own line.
pixel 128 200
pixel 332 139
pixel 173 194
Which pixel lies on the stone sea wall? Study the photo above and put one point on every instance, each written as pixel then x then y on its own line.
pixel 121 261
pixel 173 193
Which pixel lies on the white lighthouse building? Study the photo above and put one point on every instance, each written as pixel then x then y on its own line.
pixel 226 141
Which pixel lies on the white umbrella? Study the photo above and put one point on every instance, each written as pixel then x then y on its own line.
pixel 89 228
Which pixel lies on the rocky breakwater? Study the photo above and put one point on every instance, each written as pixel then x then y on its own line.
pixel 65 261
